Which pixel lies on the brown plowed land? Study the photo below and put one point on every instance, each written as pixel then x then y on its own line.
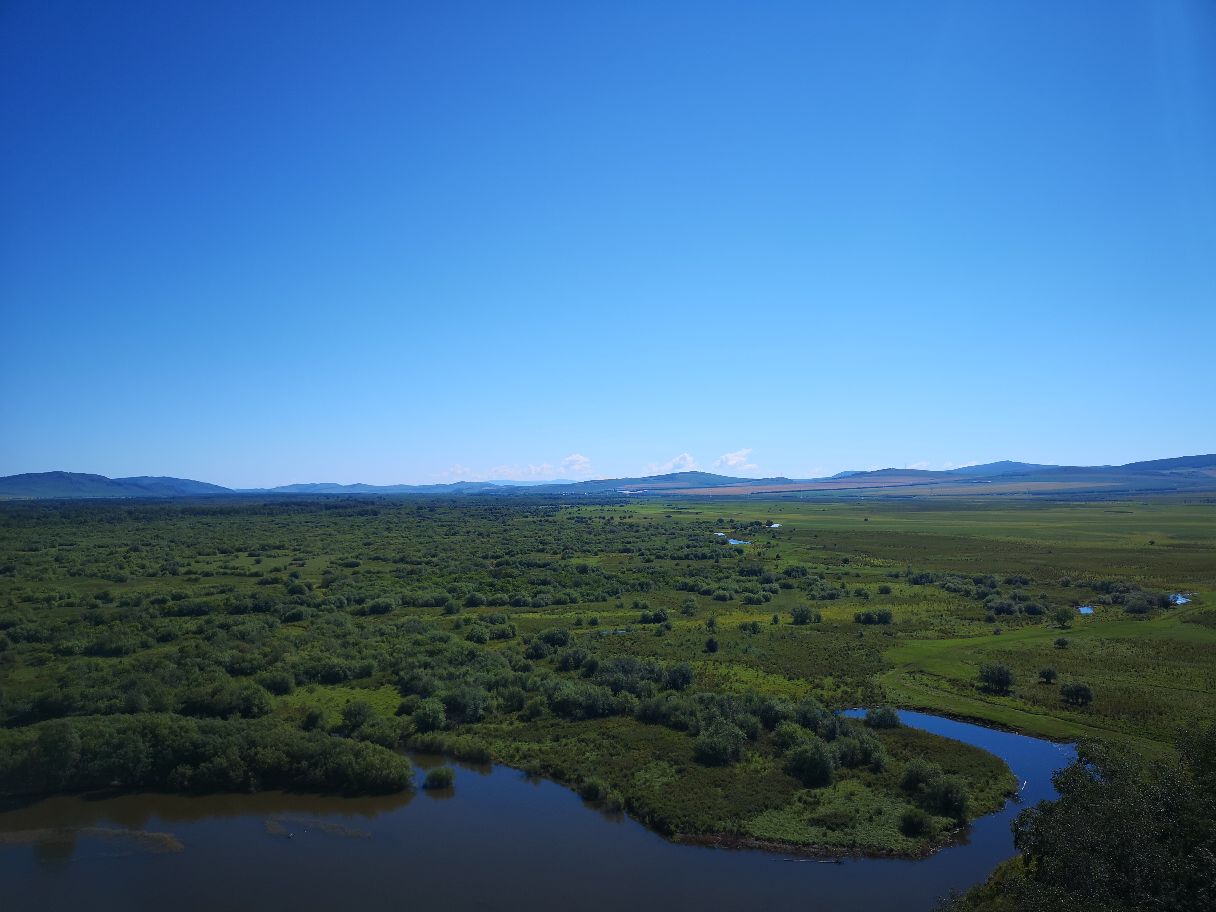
pixel 896 486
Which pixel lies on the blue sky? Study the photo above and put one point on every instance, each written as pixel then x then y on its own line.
pixel 260 243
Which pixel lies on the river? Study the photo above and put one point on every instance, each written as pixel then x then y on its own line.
pixel 499 840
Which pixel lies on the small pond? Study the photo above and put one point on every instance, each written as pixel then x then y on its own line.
pixel 732 541
pixel 498 840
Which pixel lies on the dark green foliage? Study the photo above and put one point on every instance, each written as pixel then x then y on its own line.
pixel 883 717
pixel 915 822
pixel 788 734
pixel 804 614
pixel 1120 837
pixel 439 777
pixel 658 616
pixel 855 747
pixel 277 682
pixel 466 703
pixel 355 714
pixel 810 762
pixel 580 700
pixel 918 774
pixel 996 678
pixel 876 616
pixel 672 710
pixel 679 676
pixel 719 743
pixel 430 715
pixel 555 636
pixel 1077 694
pixel 160 751
pixel 594 789
pixel 225 699
pixel 946 796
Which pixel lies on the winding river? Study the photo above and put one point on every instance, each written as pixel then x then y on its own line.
pixel 499 840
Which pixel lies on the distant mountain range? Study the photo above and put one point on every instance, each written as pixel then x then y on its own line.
pixel 65 485
pixel 1157 476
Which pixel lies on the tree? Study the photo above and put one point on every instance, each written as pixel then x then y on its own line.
pixel 440 777
pixel 918 774
pixel 467 703
pixel 947 797
pixel 1047 675
pixel 679 676
pixel 430 715
pixel 801 614
pixel 787 734
pixel 355 714
pixel 58 752
pixel 878 616
pixel 720 743
pixel 1061 643
pixel 1121 835
pixel 810 762
pixel 1077 694
pixel 711 645
pixel 1063 617
pixel 914 822
pixel 996 678
pixel 883 717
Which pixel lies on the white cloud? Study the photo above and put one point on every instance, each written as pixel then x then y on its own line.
pixel 918 465
pixel 456 472
pixel 736 461
pixel 576 464
pixel 685 462
pixel 517 473
pixel 957 465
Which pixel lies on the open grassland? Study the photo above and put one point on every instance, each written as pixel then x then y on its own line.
pixel 1155 673
pixel 623 648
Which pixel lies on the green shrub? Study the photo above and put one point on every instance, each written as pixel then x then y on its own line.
pixel 915 822
pixel 440 777
pixel 719 744
pixel 810 762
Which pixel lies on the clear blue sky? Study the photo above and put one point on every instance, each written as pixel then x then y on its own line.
pixel 258 243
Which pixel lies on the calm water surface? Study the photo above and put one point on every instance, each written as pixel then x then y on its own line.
pixel 498 841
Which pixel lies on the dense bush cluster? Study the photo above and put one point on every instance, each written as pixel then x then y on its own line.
pixel 161 751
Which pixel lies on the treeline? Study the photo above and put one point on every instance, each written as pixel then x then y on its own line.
pixel 174 753
pixel 1123 836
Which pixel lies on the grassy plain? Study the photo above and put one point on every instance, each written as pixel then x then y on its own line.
pixel 1154 673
